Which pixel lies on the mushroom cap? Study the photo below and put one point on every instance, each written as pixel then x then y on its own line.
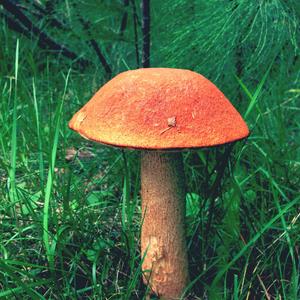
pixel 159 108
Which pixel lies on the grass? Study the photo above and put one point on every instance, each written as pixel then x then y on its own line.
pixel 70 226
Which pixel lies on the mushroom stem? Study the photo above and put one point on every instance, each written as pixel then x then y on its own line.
pixel 165 264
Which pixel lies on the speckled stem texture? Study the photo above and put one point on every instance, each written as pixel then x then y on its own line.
pixel 163 231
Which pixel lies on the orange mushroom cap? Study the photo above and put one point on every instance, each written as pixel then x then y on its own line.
pixel 162 109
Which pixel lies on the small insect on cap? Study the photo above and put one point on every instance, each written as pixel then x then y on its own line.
pixel 159 108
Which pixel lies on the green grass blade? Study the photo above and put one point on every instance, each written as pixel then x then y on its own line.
pixel 50 178
pixel 12 171
pixel 235 287
pixel 254 98
pixel 39 137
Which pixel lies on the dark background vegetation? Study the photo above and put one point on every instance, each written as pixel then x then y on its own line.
pixel 70 209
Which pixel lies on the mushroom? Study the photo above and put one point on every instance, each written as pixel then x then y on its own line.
pixel 161 111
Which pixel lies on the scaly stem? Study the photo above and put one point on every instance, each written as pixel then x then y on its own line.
pixel 163 231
